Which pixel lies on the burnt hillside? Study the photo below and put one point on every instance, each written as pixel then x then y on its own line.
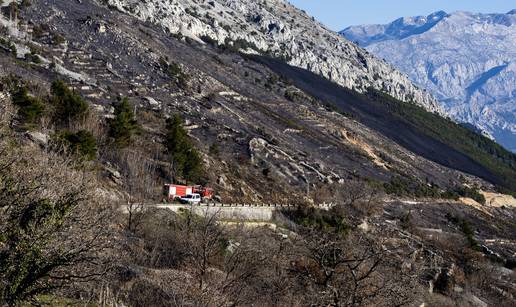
pixel 421 132
pixel 230 99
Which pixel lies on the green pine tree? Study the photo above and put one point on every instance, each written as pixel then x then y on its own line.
pixel 30 108
pixel 69 105
pixel 124 125
pixel 193 167
pixel 186 160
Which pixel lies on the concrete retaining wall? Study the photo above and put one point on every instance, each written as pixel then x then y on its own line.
pixel 228 213
pixel 231 212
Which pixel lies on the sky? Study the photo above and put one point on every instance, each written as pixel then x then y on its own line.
pixel 339 14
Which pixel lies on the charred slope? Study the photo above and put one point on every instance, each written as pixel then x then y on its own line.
pixel 266 139
pixel 419 131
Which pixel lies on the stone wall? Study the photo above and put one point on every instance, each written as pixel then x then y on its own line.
pixel 231 212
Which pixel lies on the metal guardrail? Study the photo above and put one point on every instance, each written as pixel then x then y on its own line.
pixel 249 205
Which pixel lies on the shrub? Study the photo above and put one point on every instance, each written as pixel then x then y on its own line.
pixel 9 45
pixel 58 39
pixel 81 143
pixel 291 95
pixel 39 30
pixel 175 72
pixel 410 187
pixel 69 106
pixel 467 230
pixel 322 220
pixel 469 233
pixel 48 238
pixel 406 221
pixel 271 81
pixel 13 49
pixel 210 41
pixel 33 57
pixel 124 125
pixel 214 149
pixel 30 108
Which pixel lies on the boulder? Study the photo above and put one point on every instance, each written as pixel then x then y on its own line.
pixel 364 226
pixel 222 180
pixel 475 301
pixel 153 103
pixel 114 175
pixel 100 28
pixel 37 137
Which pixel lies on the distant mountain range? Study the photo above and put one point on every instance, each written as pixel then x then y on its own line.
pixel 466 60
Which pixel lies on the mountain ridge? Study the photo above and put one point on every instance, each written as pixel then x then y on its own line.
pixel 399 29
pixel 277 28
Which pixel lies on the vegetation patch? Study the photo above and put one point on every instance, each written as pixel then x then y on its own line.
pixel 322 220
pixel 30 108
pixel 69 106
pixel 472 193
pixel 401 186
pixel 81 143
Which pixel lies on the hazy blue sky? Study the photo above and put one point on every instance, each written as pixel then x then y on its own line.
pixel 338 14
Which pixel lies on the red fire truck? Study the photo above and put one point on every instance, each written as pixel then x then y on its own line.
pixel 175 191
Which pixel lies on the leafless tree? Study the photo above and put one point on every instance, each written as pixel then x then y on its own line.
pixel 49 239
pixel 205 239
pixel 139 182
pixel 345 271
pixel 354 191
pixel 243 260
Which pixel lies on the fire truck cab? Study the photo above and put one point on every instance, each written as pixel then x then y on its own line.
pixel 206 193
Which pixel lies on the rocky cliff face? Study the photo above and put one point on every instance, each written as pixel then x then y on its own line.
pixel 279 29
pixel 468 61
